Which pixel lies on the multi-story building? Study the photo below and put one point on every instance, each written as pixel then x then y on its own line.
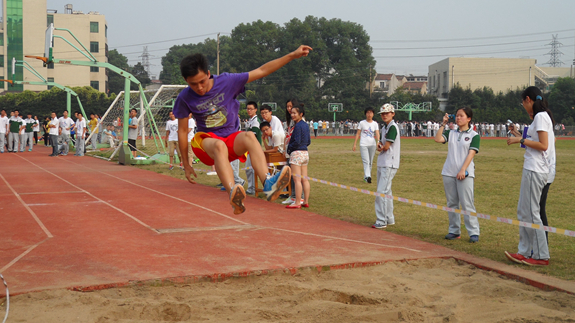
pixel 23 33
pixel 500 74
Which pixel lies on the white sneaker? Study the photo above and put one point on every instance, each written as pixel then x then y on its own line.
pixel 290 200
pixel 211 173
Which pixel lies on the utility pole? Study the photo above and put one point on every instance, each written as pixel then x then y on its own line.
pixel 370 82
pixel 218 65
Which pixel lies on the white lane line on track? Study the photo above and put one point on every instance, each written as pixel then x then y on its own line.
pixel 28 208
pixel 37 193
pixel 164 194
pixel 93 196
pixel 261 227
pixel 3 269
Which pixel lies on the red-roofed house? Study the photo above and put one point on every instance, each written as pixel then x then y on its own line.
pixel 415 87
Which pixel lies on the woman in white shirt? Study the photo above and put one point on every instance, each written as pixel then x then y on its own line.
pixel 368 131
pixel 539 143
pixel 459 172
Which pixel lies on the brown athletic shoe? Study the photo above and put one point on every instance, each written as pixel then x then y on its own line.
pixel 237 197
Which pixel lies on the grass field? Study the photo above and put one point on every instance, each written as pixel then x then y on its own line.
pixel 498 178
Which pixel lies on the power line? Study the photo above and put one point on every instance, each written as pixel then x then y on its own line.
pixel 166 41
pixel 466 46
pixel 467 39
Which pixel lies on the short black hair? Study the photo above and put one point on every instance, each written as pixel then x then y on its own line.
pixel 133 109
pixel 367 110
pixel 16 110
pixel 266 107
pixel 192 64
pixel 252 103
pixel 264 124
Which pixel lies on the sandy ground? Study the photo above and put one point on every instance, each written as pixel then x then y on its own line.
pixel 419 291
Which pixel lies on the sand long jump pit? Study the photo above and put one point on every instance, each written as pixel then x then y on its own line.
pixel 427 290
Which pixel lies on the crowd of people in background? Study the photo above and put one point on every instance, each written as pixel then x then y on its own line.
pixel 414 128
pixel 18 134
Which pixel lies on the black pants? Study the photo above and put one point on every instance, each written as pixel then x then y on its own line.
pixel 46 139
pixel 35 137
pixel 542 212
pixel 315 132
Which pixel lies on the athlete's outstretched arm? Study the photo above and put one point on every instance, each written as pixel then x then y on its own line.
pixel 276 64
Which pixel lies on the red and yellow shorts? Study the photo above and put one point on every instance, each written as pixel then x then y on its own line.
pixel 204 157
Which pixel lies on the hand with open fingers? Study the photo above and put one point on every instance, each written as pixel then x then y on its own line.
pixel 513 140
pixel 303 50
pixel 189 171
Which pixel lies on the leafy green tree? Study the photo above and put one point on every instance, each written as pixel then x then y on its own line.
pixel 141 75
pixel 562 100
pixel 115 81
pixel 170 73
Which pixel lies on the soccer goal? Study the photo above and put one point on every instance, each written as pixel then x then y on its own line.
pixel 151 125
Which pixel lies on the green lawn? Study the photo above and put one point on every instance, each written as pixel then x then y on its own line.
pixel 498 178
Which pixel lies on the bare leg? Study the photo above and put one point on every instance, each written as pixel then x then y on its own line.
pixel 296 175
pixel 218 151
pixel 305 184
pixel 247 142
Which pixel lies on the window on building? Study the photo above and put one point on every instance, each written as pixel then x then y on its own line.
pixel 106 31
pixel 50 79
pixel 1 39
pixel 94 28
pixel 94 47
pixel 94 69
pixel 95 84
pixel 2 85
pixel 2 61
pixel 50 66
pixel 50 20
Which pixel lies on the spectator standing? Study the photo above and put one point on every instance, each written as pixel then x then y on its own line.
pixel 3 129
pixel 93 124
pixel 54 133
pixel 315 126
pixel 36 129
pixel 16 124
pixel 133 132
pixel 253 125
pixel 389 147
pixel 66 124
pixel 533 249
pixel 80 135
pixel 172 140
pixel 299 156
pixel 29 133
pixel 368 135
pixel 459 172
pixel 46 131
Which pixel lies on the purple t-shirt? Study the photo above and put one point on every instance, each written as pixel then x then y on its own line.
pixel 217 110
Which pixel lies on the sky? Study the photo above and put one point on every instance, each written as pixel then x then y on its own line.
pixel 406 36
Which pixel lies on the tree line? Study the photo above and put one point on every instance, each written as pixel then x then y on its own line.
pixel 337 71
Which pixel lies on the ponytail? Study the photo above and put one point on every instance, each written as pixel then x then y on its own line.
pixel 540 104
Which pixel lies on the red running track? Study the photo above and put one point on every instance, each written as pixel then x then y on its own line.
pixel 84 223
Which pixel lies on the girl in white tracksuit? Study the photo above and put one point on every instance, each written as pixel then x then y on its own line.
pixel 459 172
pixel 533 249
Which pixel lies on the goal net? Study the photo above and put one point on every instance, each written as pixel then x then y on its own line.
pixel 150 142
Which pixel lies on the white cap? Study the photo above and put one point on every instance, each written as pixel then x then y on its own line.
pixel 386 108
